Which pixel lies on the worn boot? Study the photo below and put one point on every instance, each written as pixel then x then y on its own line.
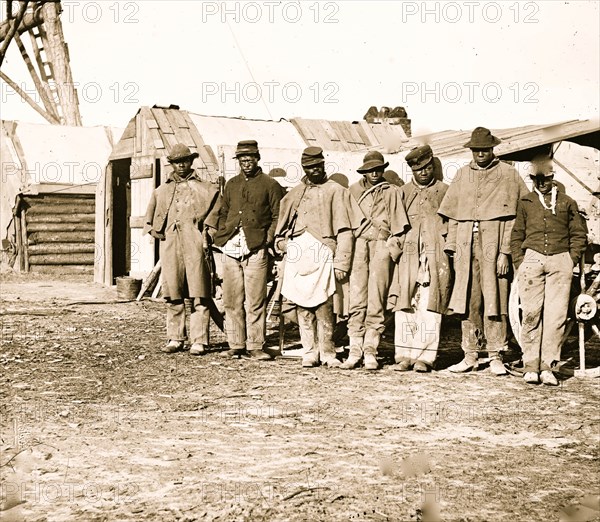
pixel 370 353
pixel 355 354
pixel 370 345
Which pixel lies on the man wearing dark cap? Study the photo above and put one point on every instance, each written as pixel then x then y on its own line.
pixel 247 223
pixel 179 213
pixel 422 280
pixel 481 205
pixel 378 245
pixel 547 241
pixel 315 231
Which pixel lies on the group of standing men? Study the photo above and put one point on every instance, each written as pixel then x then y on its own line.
pixel 422 249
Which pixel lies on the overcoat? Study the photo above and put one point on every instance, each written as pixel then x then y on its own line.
pixel 489 197
pixel 430 229
pixel 178 212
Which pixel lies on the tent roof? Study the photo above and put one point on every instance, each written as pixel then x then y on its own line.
pixel 517 139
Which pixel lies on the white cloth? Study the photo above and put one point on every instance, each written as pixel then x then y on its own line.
pixel 308 277
pixel 417 333
pixel 236 246
pixel 553 193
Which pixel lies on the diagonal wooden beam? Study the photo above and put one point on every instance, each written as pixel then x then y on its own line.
pixel 47 116
pixel 42 88
pixel 13 30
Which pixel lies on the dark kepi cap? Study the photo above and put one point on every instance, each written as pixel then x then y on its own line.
pixel 312 156
pixel 419 157
pixel 246 147
pixel 372 160
pixel 277 172
pixel 482 138
pixel 181 151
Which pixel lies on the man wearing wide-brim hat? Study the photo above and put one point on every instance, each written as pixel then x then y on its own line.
pixel 315 232
pixel 422 281
pixel 481 205
pixel 378 244
pixel 547 240
pixel 179 214
pixel 247 221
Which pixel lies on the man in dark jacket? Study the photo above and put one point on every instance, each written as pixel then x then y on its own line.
pixel 247 223
pixel 179 213
pixel 547 241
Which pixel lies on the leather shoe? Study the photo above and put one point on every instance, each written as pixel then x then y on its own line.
pixel 497 367
pixel 332 362
pixel 531 378
pixel 172 347
pixel 309 361
pixel 259 355
pixel 420 367
pixel 198 349
pixel 464 366
pixel 402 366
pixel 233 352
pixel 548 378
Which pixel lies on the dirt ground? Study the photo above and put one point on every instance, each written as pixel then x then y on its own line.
pixel 98 424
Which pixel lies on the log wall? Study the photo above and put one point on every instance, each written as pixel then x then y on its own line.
pixel 58 233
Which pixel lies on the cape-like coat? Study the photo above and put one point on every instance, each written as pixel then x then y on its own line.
pixel 488 196
pixel 430 229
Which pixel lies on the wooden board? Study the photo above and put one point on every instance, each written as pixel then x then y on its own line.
pixel 24 241
pixel 137 221
pixel 163 123
pixel 62 218
pixel 75 236
pixel 61 248
pixel 62 259
pixel 64 227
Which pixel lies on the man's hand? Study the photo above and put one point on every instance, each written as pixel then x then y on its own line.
pixel 156 235
pixel 340 275
pixel 502 264
pixel 281 245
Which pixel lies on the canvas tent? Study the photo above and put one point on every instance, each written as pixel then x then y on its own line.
pixel 48 185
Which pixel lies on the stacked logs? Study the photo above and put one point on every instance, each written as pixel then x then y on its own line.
pixel 57 233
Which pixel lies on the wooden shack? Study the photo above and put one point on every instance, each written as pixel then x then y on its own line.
pixel 47 206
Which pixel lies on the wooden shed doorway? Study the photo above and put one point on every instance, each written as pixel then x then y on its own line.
pixel 121 212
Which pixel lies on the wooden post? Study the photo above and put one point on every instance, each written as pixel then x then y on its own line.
pixel 581 323
pixel 24 243
pixel 19 239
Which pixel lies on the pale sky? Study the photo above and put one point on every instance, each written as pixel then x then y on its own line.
pixel 452 65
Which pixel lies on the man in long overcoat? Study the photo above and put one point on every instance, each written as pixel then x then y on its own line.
pixel 422 280
pixel 377 246
pixel 315 231
pixel 179 213
pixel 481 205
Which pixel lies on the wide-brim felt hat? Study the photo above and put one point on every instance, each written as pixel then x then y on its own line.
pixel 482 138
pixel 372 160
pixel 180 152
pixel 419 157
pixel 312 156
pixel 246 148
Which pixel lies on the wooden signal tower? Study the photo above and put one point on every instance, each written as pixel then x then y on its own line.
pixel 47 59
